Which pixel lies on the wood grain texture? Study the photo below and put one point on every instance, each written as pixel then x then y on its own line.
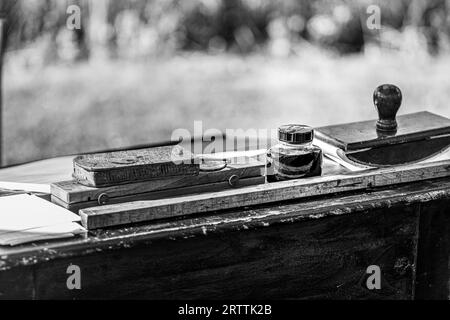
pixel 433 260
pixel 72 192
pixel 163 194
pixel 17 284
pixel 74 196
pixel 300 249
pixel 139 211
pixel 359 135
pixel 111 168
pixel 324 258
pixel 242 219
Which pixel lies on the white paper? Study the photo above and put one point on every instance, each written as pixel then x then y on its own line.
pixel 28 187
pixel 44 233
pixel 22 212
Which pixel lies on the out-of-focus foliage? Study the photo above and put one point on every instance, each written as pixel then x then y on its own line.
pixel 150 67
pixel 143 28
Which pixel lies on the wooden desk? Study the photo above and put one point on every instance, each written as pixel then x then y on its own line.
pixel 313 248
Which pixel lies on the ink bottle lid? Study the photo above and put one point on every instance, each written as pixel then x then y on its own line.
pixel 295 134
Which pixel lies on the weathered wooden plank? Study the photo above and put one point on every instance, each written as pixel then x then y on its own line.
pixel 71 192
pixel 169 193
pixel 138 211
pixel 241 174
pixel 318 258
pixel 111 168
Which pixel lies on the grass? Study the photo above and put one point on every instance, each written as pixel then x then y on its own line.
pixel 61 109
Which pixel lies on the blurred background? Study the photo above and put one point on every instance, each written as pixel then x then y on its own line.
pixel 136 70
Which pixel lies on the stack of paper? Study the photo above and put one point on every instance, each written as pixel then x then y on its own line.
pixel 26 218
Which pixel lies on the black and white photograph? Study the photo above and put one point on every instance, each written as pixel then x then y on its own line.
pixel 224 156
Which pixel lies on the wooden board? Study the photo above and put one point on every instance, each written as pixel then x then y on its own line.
pixel 73 192
pixel 248 174
pixel 162 194
pixel 74 196
pixel 139 211
pixel 360 135
pixel 112 168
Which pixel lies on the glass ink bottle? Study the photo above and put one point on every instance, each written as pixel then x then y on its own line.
pixel 294 156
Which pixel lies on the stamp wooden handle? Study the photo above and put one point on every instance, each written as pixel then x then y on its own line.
pixel 387 98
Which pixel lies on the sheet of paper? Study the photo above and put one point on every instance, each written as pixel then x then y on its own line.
pixel 28 187
pixel 22 212
pixel 44 233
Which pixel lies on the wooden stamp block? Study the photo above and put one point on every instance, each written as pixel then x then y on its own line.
pixel 112 168
pixel 361 135
pixel 388 141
